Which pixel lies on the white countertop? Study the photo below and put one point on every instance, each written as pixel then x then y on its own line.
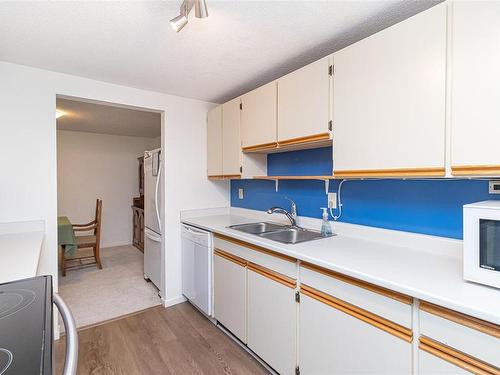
pixel 424 272
pixel 19 254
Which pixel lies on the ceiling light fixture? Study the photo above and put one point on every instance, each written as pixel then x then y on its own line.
pixel 200 8
pixel 59 114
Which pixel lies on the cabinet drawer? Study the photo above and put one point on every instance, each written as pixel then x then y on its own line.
pixel 393 306
pixel 429 364
pixel 280 263
pixel 452 356
pixel 471 336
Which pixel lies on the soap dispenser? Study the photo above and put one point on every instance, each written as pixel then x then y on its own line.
pixel 326 229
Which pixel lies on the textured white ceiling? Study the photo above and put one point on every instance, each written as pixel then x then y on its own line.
pixel 105 119
pixel 241 45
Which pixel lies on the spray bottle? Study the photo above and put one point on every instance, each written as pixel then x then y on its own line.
pixel 326 229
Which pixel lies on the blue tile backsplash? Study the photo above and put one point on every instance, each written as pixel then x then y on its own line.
pixel 420 206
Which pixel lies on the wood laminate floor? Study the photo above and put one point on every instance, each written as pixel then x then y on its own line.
pixel 176 340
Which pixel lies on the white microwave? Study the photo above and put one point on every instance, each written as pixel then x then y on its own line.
pixel 482 243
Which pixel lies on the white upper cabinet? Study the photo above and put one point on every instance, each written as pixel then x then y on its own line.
pixel 475 109
pixel 258 117
pixel 224 156
pixel 214 142
pixel 389 94
pixel 304 102
pixel 231 141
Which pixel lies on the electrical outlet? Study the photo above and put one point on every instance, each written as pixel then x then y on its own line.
pixel 494 187
pixel 240 193
pixel 332 200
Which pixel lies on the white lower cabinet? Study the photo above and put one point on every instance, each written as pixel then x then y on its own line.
pixel 272 322
pixel 334 342
pixel 429 364
pixel 230 298
pixel 342 325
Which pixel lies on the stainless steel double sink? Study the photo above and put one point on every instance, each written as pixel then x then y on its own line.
pixel 278 232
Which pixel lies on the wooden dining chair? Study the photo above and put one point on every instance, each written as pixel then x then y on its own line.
pixel 89 241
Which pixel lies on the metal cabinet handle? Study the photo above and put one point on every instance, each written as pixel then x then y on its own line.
pixel 71 360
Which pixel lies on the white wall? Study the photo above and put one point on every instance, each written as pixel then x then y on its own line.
pixel 91 166
pixel 28 182
pixel 155 143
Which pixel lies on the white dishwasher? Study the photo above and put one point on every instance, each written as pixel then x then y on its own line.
pixel 197 250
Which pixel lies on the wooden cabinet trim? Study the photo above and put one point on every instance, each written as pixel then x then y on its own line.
pixel 456 357
pixel 260 148
pixel 464 170
pixel 317 140
pixel 403 298
pixel 278 277
pixel 307 139
pixel 322 178
pixel 224 177
pixel 465 320
pixel 400 172
pixel 232 258
pixel 377 321
pixel 255 247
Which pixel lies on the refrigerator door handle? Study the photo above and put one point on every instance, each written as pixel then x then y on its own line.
pixel 152 236
pixel 156 194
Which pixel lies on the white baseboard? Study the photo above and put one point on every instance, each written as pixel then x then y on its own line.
pixel 174 301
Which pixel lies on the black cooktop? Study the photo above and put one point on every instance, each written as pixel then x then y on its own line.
pixel 26 326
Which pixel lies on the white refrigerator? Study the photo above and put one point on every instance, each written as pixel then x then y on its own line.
pixel 152 216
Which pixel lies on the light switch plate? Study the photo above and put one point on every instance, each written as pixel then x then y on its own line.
pixel 240 193
pixel 332 200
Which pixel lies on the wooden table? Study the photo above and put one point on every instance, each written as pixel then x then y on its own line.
pixel 66 235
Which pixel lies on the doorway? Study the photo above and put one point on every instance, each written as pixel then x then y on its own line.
pixel 105 153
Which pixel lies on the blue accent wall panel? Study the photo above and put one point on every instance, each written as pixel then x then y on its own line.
pixel 315 162
pixel 420 206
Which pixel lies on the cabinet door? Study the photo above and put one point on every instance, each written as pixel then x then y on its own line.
pixel 230 295
pixel 231 141
pixel 214 142
pixel 475 113
pixel 334 342
pixel 259 116
pixel 389 100
pixel 304 102
pixel 272 314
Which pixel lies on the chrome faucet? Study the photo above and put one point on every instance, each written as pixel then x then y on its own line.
pixel 293 208
pixel 292 215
